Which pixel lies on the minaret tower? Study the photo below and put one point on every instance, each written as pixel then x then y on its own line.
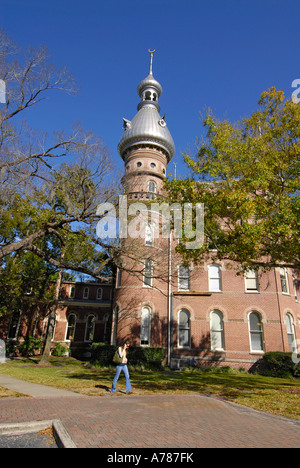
pixel 146 145
pixel 140 301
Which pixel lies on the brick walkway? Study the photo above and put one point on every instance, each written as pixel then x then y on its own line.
pixel 156 421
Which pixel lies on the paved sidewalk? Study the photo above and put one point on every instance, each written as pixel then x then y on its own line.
pixel 151 421
pixel 34 390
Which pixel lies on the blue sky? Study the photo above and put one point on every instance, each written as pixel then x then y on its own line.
pixel 209 53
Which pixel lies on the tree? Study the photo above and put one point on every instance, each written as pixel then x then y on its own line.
pixel 39 198
pixel 248 176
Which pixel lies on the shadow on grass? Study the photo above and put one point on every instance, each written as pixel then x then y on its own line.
pixel 229 385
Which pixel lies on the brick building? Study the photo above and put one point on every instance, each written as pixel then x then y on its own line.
pixel 198 314
pixel 83 315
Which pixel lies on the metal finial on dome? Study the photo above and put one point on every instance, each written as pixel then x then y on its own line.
pixel 151 52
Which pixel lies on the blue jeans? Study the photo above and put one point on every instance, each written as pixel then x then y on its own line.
pixel 120 368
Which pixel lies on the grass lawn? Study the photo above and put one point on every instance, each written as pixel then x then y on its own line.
pixel 278 396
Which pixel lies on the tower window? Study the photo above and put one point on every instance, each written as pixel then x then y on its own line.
pixel 152 186
pixel 153 165
pixel 148 96
pixel 138 164
pixel 183 278
pixel 148 273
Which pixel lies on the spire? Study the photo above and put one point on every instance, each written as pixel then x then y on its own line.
pixel 149 89
pixel 151 52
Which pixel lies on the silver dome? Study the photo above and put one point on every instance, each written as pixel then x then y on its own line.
pixel 147 127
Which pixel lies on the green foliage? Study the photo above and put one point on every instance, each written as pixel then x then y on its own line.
pixel 25 280
pixel 248 177
pixel 103 354
pixel 60 350
pixel 279 364
pixel 30 346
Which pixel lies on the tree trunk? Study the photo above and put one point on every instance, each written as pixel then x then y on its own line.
pixel 45 360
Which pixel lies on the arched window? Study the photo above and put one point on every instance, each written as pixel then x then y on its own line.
pixel 72 292
pixel 14 326
pixel 148 274
pixel 214 278
pixel 290 332
pixel 217 331
pixel 86 293
pixel 152 187
pixel 90 328
pixel 71 327
pixel 145 326
pixel 183 278
pixel 184 329
pixel 256 332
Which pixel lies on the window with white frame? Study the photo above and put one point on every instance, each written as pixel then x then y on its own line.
pixel 184 329
pixel 86 293
pixel 284 281
pixel 145 326
pixel 99 294
pixel 90 328
pixel 148 273
pixel 296 287
pixel 71 327
pixel 290 332
pixel 149 234
pixel 183 278
pixel 217 331
pixel 214 278
pixel 256 332
pixel 251 280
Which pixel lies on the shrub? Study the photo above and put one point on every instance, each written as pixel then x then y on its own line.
pixel 60 350
pixel 103 354
pixel 30 346
pixel 279 364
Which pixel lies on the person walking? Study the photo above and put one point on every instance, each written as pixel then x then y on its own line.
pixel 122 367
